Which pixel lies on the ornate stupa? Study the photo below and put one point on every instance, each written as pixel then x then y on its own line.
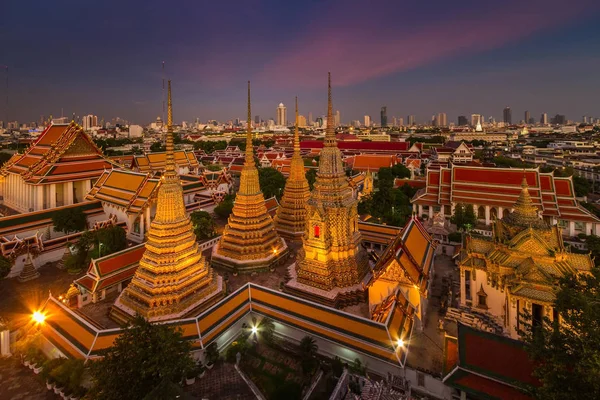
pixel 332 256
pixel 173 279
pixel 249 242
pixel 368 184
pixel 525 213
pixel 290 220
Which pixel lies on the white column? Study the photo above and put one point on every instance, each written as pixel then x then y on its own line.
pixel 571 228
pixel 87 186
pixel 69 194
pixel 589 230
pixel 487 215
pixel 500 212
pixel 420 210
pixel 39 198
pixel 430 212
pixel 52 195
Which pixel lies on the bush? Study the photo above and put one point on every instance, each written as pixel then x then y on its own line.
pixel 5 267
pixel 70 219
pixel 455 237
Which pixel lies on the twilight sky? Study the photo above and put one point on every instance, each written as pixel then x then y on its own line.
pixel 415 57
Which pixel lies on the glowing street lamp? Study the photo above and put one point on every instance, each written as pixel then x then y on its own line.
pixel 400 343
pixel 38 317
pixel 254 330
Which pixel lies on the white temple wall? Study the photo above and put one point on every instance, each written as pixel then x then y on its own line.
pixel 495 298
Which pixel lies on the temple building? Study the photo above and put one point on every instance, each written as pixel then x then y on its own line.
pixel 249 242
pixel 173 279
pixel 57 170
pixel 154 163
pixel 517 269
pixel 493 191
pixel 332 263
pixel 290 220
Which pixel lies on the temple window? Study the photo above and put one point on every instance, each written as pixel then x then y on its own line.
pixel 482 298
pixel 468 285
pixel 562 223
pixel 317 231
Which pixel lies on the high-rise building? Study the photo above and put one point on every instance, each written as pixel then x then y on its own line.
pixel 337 118
pixel 507 114
pixel 257 119
pixel 383 115
pixel 544 119
pixel 462 120
pixel 527 116
pixel 281 115
pixel 585 119
pixel 400 121
pixel 410 120
pixel 394 121
pixel 367 120
pixel 89 121
pixel 442 119
pixel 301 121
pixel 310 120
pixel 475 119
pixel 559 119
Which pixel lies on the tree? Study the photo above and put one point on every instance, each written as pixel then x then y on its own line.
pixel 144 358
pixel 71 219
pixel 400 171
pixel 271 182
pixel 204 225
pixel 5 267
pixel 157 147
pixel 112 239
pixel 458 218
pixel 266 327
pixel 566 355
pixel 582 186
pixel 311 177
pixel 308 351
pixel 224 208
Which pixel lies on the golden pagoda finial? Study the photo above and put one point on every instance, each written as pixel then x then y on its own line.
pixel 330 130
pixel 296 132
pixel 249 148
pixel 170 167
pixel 525 213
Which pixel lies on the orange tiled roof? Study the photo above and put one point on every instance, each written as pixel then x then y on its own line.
pixel 153 162
pixel 129 190
pixel 62 153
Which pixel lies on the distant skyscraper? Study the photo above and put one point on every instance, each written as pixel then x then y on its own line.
pixel 442 119
pixel 462 120
pixel 301 121
pixel 475 119
pixel 394 121
pixel 257 119
pixel 585 119
pixel 281 115
pixel 527 117
pixel 507 115
pixel 559 119
pixel 544 119
pixel 400 121
pixel 383 115
pixel 337 118
pixel 367 120
pixel 310 120
pixel 410 120
pixel 89 121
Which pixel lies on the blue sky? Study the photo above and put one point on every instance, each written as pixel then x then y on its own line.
pixel 459 57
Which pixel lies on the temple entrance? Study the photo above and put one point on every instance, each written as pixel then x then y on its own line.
pixel 481 212
pixel 493 213
pixel 537 316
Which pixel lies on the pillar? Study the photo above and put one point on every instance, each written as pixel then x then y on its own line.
pixel 420 210
pixel 87 186
pixel 39 205
pixel 69 194
pixel 430 212
pixel 571 228
pixel 487 215
pixel 500 212
pixel 589 228
pixel 52 200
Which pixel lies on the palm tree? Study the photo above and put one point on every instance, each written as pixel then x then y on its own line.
pixel 267 328
pixel 308 347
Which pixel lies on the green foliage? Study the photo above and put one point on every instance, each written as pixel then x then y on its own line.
pixel 308 351
pixel 157 147
pixel 213 167
pixel 311 177
pixel 357 367
pixel 224 208
pixel 388 205
pixel 145 359
pixel 204 225
pixel 5 267
pixel 502 161
pixel 455 237
pixel 71 219
pixel 209 147
pixel 400 171
pixel 4 157
pixel 288 390
pixel 582 186
pixel 68 374
pixel 266 327
pixel 567 355
pixel 432 139
pixel 464 216
pixel 591 208
pixel 271 182
pixel 112 238
pixel 212 353
pixel 337 366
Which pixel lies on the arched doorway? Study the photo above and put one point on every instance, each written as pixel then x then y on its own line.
pixel 481 212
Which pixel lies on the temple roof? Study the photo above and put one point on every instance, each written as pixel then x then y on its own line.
pixel 412 251
pixel 156 162
pixel 62 153
pixel 502 371
pixel 129 190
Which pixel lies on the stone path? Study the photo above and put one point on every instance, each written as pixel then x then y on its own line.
pixel 220 383
pixel 19 382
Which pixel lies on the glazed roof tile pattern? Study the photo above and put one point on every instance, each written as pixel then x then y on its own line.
pixel 62 153
pixel 79 338
pixel 500 187
pixel 156 162
pixel 502 371
pixel 413 250
pixel 129 190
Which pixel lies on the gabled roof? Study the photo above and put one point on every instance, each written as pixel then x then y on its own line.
pixel 153 162
pixel 365 146
pixel 413 252
pixel 364 162
pixel 62 153
pixel 129 190
pixel 487 366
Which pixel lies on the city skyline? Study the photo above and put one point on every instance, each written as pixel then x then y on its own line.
pixel 543 64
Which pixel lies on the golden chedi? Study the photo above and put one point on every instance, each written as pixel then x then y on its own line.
pixel 249 242
pixel 290 220
pixel 332 256
pixel 173 279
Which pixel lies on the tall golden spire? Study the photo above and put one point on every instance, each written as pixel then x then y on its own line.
pixel 330 131
pixel 249 241
pixel 170 168
pixel 173 278
pixel 290 220
pixel 249 146
pixel 525 213
pixel 332 255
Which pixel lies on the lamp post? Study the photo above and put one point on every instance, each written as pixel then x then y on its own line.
pixel 100 249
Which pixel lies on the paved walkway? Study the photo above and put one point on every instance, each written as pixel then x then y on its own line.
pixel 18 382
pixel 220 383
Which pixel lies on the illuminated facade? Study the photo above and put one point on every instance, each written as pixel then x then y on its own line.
pixel 173 279
pixel 332 256
pixel 290 220
pixel 518 268
pixel 249 242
